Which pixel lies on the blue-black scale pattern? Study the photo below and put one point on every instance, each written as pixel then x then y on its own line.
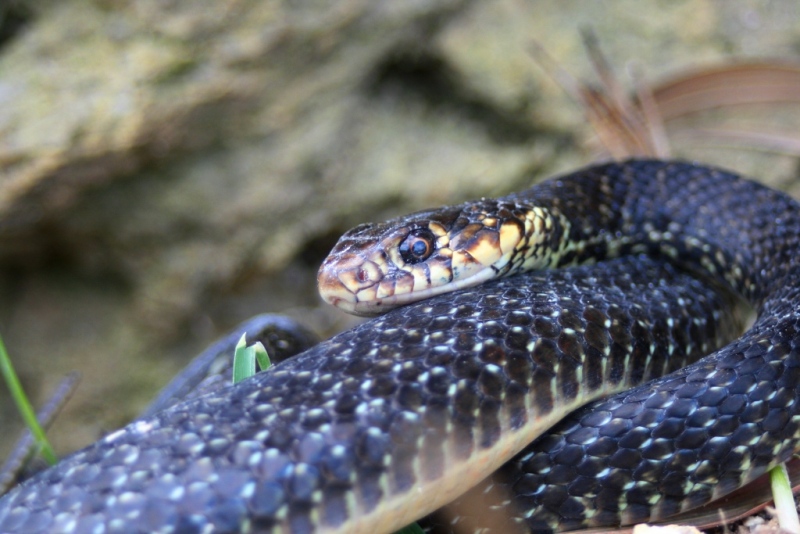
pixel 311 442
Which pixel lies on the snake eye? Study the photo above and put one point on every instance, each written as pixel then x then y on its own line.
pixel 417 247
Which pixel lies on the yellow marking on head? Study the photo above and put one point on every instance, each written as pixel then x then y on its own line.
pixel 510 237
pixel 404 284
pixel 440 273
pixel 463 237
pixel 486 249
pixel 349 280
pixel 368 293
pixel 420 279
pixel 464 264
pixel 386 289
pixel 437 229
pixel 335 293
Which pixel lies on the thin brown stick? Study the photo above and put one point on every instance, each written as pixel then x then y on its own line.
pixel 25 446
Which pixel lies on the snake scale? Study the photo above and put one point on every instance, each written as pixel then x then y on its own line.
pixel 384 423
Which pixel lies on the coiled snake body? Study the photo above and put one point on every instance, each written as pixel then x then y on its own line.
pixel 384 423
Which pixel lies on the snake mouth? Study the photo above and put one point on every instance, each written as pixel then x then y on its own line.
pixel 335 292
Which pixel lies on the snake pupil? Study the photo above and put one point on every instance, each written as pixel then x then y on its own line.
pixel 417 247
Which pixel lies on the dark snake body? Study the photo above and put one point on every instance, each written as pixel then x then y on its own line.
pixel 375 412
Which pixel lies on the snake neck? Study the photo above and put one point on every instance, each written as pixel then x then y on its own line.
pixel 665 209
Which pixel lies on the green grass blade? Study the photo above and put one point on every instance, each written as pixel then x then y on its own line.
pixel 261 356
pixel 785 508
pixel 24 406
pixel 244 361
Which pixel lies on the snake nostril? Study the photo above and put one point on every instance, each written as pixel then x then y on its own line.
pixel 362 275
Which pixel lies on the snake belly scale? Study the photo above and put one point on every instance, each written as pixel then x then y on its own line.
pixel 377 425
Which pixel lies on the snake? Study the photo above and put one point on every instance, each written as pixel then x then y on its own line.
pixel 388 421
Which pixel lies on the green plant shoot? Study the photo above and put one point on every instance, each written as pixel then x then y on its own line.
pixel 245 359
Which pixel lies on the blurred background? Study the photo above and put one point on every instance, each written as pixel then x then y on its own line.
pixel 169 169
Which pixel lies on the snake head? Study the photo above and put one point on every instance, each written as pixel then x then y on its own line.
pixel 378 266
